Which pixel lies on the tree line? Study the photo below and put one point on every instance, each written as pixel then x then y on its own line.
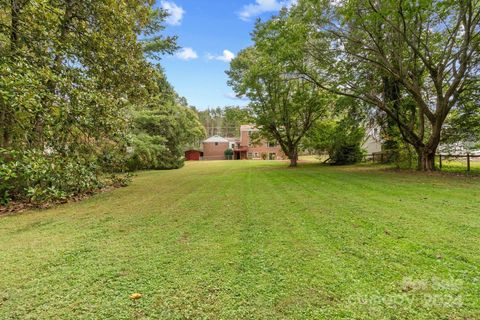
pixel 411 66
pixel 82 99
pixel 224 121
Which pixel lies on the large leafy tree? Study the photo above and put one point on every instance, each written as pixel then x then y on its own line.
pixel 72 72
pixel 463 124
pixel 410 60
pixel 70 68
pixel 162 129
pixel 284 107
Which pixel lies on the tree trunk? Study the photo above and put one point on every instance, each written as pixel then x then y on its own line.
pixel 293 156
pixel 5 126
pixel 426 159
pixel 15 12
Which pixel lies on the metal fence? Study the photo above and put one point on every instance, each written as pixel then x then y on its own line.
pixel 445 162
pixel 469 162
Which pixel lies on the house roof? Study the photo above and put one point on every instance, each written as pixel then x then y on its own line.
pixel 215 139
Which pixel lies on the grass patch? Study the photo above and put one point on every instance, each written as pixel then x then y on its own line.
pixel 460 165
pixel 251 239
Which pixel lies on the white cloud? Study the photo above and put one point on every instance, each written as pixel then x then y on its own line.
pixel 227 56
pixel 187 54
pixel 175 13
pixel 263 6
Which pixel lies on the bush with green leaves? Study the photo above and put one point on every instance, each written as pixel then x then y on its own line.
pixel 151 152
pixel 36 177
pixel 341 139
pixel 7 177
pixel 346 154
pixel 162 130
pixel 72 76
pixel 228 154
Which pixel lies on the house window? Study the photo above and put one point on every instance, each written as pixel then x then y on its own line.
pixel 271 144
pixel 256 154
pixel 272 156
pixel 249 155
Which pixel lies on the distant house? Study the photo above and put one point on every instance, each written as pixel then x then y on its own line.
pixel 243 148
pixel 373 142
pixel 270 149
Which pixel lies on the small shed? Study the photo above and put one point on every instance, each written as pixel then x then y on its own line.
pixel 193 155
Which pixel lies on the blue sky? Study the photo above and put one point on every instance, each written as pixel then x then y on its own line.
pixel 210 33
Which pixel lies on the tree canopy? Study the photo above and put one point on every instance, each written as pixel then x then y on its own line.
pixel 76 80
pixel 412 61
pixel 284 106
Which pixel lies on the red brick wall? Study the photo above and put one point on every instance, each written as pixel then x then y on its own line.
pixel 257 151
pixel 261 148
pixel 214 152
pixel 244 138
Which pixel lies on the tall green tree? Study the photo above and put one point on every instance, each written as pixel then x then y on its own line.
pixel 71 67
pixel 284 107
pixel 410 60
pixel 162 129
pixel 71 74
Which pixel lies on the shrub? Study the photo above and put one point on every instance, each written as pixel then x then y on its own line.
pixel 151 152
pixel 342 141
pixel 7 174
pixel 36 177
pixel 228 154
pixel 346 154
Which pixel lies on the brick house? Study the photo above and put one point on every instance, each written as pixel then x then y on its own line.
pixel 243 148
pixel 214 148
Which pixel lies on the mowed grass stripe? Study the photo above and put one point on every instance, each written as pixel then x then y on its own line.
pixel 251 240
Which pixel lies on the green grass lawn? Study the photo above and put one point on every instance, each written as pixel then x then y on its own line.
pixel 251 240
pixel 460 165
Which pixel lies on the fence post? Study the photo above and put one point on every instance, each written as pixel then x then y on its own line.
pixel 468 162
pixel 440 161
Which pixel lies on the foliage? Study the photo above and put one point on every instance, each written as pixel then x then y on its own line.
pixel 149 153
pixel 224 121
pixel 340 139
pixel 228 154
pixel 74 76
pixel 7 177
pixel 162 129
pixel 284 107
pixel 121 180
pixel 463 124
pixel 34 176
pixel 410 60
